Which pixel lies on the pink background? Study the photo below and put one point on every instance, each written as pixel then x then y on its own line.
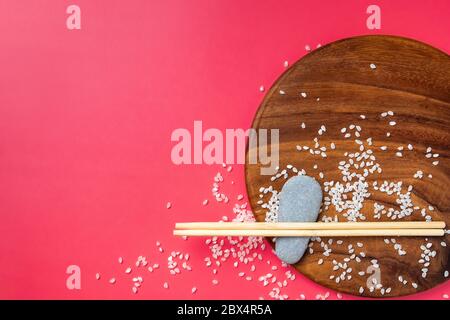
pixel 86 117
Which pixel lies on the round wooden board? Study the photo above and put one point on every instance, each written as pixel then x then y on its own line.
pixel 411 79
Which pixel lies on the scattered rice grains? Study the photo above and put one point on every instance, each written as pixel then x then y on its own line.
pixel 346 196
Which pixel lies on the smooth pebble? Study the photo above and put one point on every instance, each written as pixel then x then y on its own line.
pixel 300 201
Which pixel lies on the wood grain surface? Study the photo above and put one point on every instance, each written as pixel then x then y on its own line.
pixel 412 80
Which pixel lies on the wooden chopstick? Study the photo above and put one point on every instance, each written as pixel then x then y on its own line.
pixel 311 229
pixel 310 225
pixel 311 233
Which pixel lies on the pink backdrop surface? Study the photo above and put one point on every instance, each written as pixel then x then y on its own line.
pixel 85 123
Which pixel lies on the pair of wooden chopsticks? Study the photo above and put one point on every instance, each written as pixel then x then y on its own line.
pixel 311 229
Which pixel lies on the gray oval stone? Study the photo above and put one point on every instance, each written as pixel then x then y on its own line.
pixel 300 201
